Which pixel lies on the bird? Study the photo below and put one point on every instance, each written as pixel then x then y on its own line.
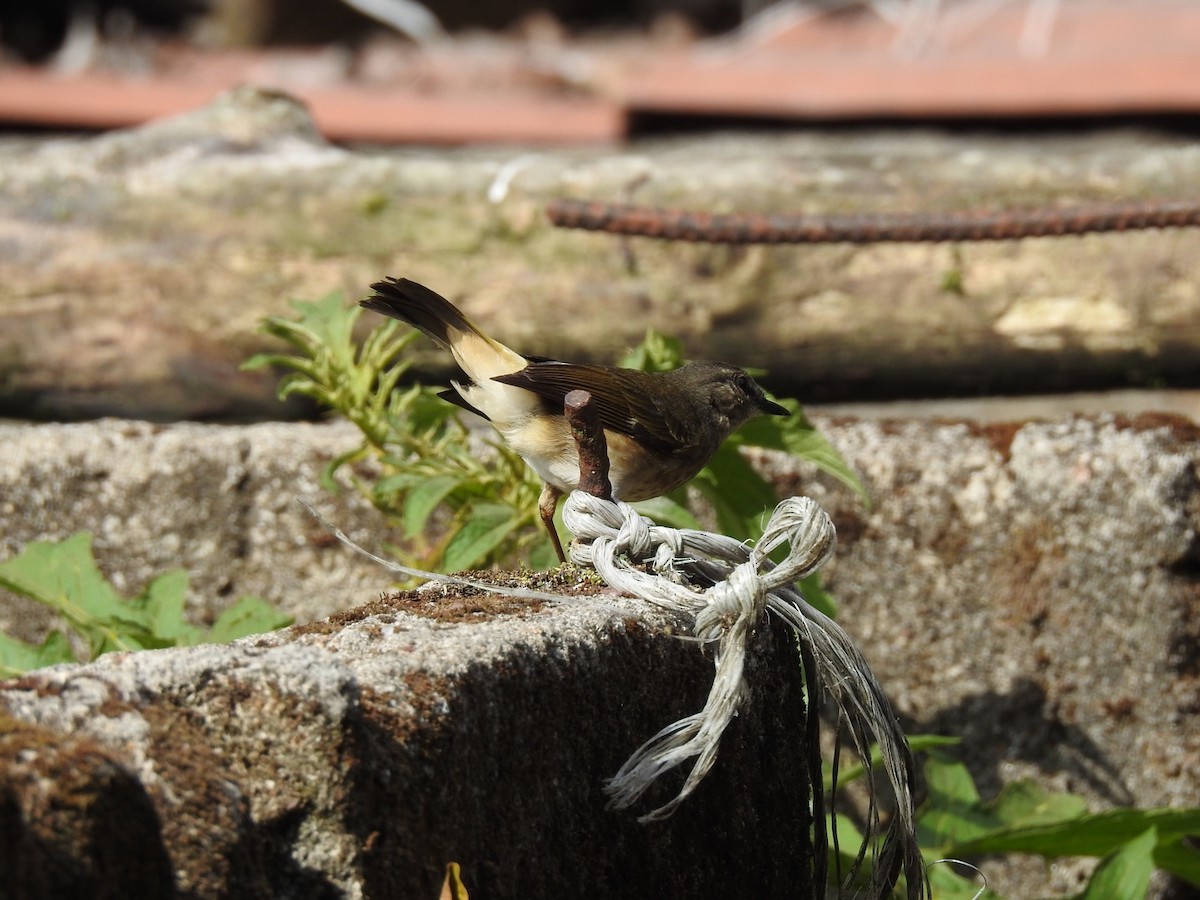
pixel 661 428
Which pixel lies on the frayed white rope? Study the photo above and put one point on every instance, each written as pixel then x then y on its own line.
pixel 619 543
pixel 613 538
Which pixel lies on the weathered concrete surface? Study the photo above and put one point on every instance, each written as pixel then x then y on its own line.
pixel 136 265
pixel 1031 588
pixel 356 757
pixel 1035 590
pixel 218 502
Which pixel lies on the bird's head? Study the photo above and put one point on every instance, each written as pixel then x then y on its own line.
pixel 733 397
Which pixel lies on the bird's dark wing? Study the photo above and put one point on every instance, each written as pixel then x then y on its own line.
pixel 450 395
pixel 624 398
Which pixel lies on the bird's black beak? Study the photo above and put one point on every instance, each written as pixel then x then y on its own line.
pixel 772 408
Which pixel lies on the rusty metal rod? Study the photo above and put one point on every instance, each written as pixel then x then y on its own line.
pixel 870 228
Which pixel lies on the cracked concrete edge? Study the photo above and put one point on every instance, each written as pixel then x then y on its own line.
pixel 357 760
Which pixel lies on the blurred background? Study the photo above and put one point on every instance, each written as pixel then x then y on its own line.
pixel 711 105
pixel 635 66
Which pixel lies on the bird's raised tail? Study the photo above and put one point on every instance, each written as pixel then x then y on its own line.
pixel 437 318
pixel 427 311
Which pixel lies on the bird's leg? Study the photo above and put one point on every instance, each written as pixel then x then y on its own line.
pixel 547 504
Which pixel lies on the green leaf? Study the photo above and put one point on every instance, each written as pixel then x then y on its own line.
pixel 1125 873
pixel 399 482
pixel 1026 819
pixel 950 881
pixel 60 575
pixel 950 784
pixel 260 361
pixel 250 615
pixel 917 743
pixel 1025 803
pixel 813 590
pixel 163 601
pixel 668 511
pixel 426 411
pixel 1181 860
pixel 849 839
pixel 952 812
pixel 486 525
pixel 944 877
pixel 330 320
pixel 64 577
pixel 423 498
pixel 327 480
pixel 740 496
pixel 957 823
pixel 542 555
pixel 657 353
pixel 17 656
pixel 1095 834
pixel 797 436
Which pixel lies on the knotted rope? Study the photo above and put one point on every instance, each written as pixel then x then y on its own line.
pixel 723 589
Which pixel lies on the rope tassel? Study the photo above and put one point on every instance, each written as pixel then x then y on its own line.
pixel 614 539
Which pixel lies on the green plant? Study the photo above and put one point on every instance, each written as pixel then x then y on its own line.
pixel 63 576
pixel 955 823
pixel 425 465
pixel 486 510
pixel 953 278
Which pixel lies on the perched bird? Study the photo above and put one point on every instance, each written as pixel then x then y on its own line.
pixel 661 427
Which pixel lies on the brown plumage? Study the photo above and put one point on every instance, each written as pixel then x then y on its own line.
pixel 661 427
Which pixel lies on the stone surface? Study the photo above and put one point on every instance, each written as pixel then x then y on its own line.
pixel 356 757
pixel 219 502
pixel 137 264
pixel 1028 587
pixel 1032 589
